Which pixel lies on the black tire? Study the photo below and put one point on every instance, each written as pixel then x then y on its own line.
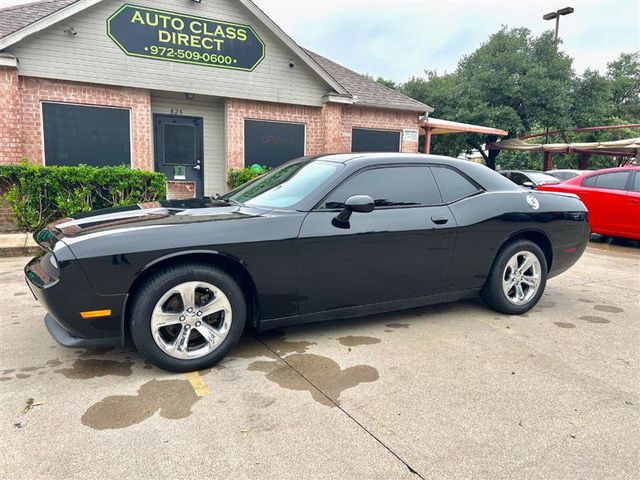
pixel 492 293
pixel 154 287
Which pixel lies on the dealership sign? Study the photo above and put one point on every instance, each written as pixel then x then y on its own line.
pixel 162 35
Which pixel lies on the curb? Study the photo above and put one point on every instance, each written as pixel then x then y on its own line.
pixel 18 245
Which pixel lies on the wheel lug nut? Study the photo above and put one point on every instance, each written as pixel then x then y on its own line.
pixel 199 313
pixel 198 324
pixel 182 318
pixel 189 309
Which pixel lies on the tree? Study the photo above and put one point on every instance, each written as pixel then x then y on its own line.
pixel 383 81
pixel 624 74
pixel 514 81
pixel 591 100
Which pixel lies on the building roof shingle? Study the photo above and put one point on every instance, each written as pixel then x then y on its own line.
pixel 18 17
pixel 365 91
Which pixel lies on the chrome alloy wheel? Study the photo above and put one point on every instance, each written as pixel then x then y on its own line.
pixel 191 320
pixel 521 277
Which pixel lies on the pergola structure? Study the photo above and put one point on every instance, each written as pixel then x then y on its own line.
pixel 626 148
pixel 436 126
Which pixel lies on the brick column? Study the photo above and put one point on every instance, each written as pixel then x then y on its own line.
pixel 10 125
pixel 334 139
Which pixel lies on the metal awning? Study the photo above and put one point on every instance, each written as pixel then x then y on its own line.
pixel 625 147
pixel 628 147
pixel 436 126
pixel 444 127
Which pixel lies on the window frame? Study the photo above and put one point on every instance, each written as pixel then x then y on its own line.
pixel 252 119
pixel 318 206
pixel 386 130
pixel 479 189
pixel 76 104
pixel 626 188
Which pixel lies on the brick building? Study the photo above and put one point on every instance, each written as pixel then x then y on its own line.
pixel 187 88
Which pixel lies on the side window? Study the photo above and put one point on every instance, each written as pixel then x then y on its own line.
pixel 636 184
pixel 519 178
pixel 612 181
pixel 389 187
pixel 452 184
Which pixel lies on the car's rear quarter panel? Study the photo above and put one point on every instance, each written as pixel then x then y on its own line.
pixel 487 221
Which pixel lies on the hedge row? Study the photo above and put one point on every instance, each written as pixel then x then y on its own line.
pixel 238 176
pixel 38 195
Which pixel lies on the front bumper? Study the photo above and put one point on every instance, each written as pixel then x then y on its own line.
pixel 65 292
pixel 66 339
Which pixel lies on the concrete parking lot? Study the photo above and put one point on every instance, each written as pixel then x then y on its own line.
pixel 450 391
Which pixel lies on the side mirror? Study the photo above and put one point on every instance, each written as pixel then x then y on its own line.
pixel 528 184
pixel 355 203
pixel 359 204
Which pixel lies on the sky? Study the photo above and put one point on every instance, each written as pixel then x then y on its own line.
pixel 399 39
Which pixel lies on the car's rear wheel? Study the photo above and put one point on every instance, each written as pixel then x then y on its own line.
pixel 517 279
pixel 187 317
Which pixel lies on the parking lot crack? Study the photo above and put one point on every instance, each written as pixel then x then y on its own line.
pixel 337 405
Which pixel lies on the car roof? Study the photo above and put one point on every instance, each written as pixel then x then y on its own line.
pixel 479 173
pixel 626 168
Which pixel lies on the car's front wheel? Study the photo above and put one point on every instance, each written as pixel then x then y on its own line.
pixel 187 317
pixel 517 279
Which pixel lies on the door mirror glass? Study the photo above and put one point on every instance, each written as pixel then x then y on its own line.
pixel 355 203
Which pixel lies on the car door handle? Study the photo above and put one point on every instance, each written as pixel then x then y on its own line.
pixel 439 219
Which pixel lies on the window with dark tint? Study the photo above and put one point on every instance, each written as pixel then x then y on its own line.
pixel 75 134
pixel 612 181
pixel 519 178
pixel 389 187
pixel 453 185
pixel 271 144
pixel 179 144
pixel 365 140
pixel 636 183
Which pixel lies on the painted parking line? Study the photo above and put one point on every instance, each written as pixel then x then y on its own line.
pixel 198 384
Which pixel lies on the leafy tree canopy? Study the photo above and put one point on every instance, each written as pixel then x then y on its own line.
pixel 525 84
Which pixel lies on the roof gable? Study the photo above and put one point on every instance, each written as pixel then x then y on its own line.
pixel 21 21
pixel 18 17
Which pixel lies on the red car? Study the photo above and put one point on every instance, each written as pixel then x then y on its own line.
pixel 612 196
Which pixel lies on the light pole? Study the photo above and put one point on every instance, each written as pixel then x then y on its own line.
pixel 547 165
pixel 557 14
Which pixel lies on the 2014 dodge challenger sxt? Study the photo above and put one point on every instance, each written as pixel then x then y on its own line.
pixel 319 238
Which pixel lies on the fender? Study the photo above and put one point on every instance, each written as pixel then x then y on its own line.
pixel 174 255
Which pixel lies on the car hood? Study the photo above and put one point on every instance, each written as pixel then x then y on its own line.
pixel 152 214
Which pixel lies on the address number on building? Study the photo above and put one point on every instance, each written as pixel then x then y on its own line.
pixel 163 35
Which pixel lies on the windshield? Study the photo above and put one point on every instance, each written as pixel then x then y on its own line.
pixel 542 178
pixel 285 186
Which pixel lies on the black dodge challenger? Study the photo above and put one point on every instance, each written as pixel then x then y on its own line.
pixel 319 238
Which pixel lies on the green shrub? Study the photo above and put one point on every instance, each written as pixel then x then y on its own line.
pixel 238 176
pixel 38 195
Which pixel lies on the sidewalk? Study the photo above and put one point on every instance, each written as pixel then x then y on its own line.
pixel 17 245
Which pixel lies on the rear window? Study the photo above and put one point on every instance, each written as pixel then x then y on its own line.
pixel 453 185
pixel 543 178
pixel 611 181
